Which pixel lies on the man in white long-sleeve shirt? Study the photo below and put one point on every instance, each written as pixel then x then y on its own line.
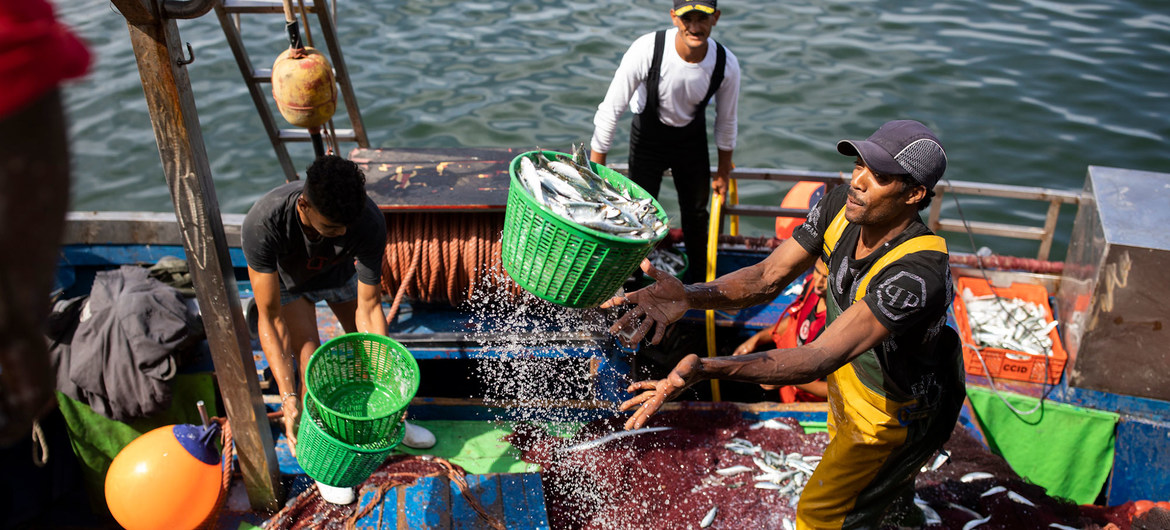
pixel 669 129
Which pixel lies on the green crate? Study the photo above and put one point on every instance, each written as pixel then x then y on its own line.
pixel 331 461
pixel 361 384
pixel 561 261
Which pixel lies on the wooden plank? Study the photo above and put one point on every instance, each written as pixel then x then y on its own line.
pixel 303 135
pixel 524 500
pixel 165 83
pixel 462 514
pixel 384 512
pixel 992 229
pixel 102 255
pixel 452 180
pixel 516 511
pixel 136 228
pixel 427 504
pixel 517 500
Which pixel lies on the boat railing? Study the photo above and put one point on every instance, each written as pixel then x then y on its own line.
pixel 1044 234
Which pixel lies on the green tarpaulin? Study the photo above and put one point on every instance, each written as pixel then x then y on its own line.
pixel 1068 450
pixel 479 446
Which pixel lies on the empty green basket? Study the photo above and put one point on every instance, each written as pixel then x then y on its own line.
pixel 331 461
pixel 561 261
pixel 361 383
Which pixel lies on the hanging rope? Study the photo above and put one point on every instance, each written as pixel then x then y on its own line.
pixel 305 20
pixel 392 480
pixel 443 258
pixel 226 469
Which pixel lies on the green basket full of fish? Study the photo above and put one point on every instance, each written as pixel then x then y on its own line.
pixel 574 231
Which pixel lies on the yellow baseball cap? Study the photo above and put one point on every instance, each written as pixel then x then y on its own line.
pixel 702 6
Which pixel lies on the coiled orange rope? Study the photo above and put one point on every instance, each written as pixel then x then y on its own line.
pixel 443 258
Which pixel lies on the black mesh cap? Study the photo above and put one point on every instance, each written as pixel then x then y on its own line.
pixel 901 147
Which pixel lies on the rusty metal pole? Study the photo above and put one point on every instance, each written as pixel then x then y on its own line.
pixel 162 63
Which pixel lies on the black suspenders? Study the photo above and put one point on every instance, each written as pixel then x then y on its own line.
pixel 656 72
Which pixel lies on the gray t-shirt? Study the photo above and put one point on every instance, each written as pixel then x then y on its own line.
pixel 274 241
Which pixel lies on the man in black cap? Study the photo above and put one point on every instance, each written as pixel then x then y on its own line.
pixel 893 366
pixel 668 89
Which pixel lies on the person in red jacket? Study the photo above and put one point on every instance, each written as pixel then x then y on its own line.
pixel 37 53
pixel 802 321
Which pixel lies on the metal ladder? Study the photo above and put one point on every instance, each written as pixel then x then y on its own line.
pixel 228 12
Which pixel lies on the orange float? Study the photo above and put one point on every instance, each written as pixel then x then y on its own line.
pixel 167 478
pixel 804 194
pixel 303 87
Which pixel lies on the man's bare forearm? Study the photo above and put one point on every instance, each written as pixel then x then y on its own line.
pixel 272 342
pixel 774 367
pixel 754 285
pixel 740 289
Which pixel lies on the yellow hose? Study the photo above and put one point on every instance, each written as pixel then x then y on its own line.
pixel 712 251
pixel 733 198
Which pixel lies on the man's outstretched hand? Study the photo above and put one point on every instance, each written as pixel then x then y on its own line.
pixel 656 306
pixel 655 393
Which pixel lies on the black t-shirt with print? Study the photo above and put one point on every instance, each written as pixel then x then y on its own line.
pixel 909 297
pixel 274 241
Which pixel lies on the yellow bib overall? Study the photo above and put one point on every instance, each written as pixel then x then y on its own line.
pixel 880 437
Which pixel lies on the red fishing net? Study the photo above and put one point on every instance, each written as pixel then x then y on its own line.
pixel 667 479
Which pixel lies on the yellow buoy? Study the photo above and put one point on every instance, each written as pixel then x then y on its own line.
pixel 303 87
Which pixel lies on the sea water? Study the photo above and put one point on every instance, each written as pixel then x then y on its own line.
pixel 1026 92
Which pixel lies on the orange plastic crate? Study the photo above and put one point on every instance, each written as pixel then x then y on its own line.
pixel 1019 366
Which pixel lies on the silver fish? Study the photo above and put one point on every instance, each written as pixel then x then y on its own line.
pixel 932 517
pixel 976 522
pixel 768 424
pixel 709 518
pixel 613 436
pixel 557 184
pixel 531 179
pixel 939 460
pixel 570 174
pixel 1020 499
pixel 993 491
pixel 965 509
pixel 570 179
pixel 733 470
pixel 1009 323
pixel 760 463
pixel 976 475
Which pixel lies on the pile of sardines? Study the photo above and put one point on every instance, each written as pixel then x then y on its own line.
pixel 570 188
pixel 1008 323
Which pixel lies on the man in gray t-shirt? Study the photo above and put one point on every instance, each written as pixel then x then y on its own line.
pixel 320 239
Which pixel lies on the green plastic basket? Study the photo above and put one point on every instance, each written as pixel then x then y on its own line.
pixel 561 261
pixel 361 384
pixel 334 462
